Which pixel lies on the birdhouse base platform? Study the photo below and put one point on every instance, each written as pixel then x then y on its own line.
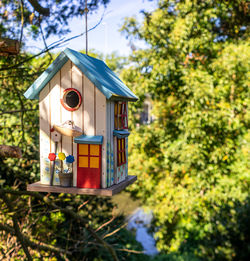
pixel 111 191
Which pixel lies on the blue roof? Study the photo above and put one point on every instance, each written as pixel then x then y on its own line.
pixel 85 139
pixel 95 70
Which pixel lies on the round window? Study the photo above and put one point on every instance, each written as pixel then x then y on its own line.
pixel 71 99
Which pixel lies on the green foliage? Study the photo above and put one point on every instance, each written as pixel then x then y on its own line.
pixel 175 257
pixel 32 17
pixel 19 125
pixel 46 230
pixel 192 161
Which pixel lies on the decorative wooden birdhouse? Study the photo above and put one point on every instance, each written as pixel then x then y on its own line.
pixel 83 126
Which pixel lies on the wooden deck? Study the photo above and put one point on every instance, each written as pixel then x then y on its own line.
pixel 111 191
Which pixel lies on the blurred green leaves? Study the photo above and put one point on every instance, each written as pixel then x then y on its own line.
pixel 192 161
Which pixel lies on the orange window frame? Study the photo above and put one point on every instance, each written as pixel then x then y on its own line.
pixel 121 117
pixel 121 151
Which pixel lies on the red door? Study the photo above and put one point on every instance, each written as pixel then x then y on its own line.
pixel 89 166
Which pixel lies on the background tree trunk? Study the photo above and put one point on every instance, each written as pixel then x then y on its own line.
pixel 10 151
pixel 9 46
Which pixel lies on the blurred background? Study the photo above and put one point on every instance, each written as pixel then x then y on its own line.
pixel 188 62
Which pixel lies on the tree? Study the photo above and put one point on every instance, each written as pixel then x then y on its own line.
pixel 34 16
pixel 191 162
pixel 40 226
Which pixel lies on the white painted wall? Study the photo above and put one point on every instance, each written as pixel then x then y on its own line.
pixel 90 117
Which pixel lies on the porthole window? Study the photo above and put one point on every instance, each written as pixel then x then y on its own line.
pixel 71 99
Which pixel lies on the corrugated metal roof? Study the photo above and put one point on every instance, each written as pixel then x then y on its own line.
pixel 95 70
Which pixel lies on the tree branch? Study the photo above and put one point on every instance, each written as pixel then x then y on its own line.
pixel 52 46
pixel 105 224
pixel 16 111
pixel 39 8
pixel 115 231
pixel 45 44
pixel 18 233
pixel 69 212
pixel 87 226
pixel 35 243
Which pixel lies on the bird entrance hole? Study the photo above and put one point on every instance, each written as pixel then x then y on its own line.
pixel 71 99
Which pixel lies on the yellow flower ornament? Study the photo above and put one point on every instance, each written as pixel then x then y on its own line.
pixel 61 156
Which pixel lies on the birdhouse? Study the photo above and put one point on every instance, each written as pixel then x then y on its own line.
pixel 83 108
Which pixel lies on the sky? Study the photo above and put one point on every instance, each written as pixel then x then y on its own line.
pixel 106 38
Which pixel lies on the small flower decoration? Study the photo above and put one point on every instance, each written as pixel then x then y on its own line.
pixel 52 157
pixel 70 159
pixel 61 156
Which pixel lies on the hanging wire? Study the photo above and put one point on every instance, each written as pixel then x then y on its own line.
pixel 86 10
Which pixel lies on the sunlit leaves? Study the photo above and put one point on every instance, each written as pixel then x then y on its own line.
pixel 191 161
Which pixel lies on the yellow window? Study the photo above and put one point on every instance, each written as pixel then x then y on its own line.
pixel 83 149
pixel 122 144
pixel 116 109
pixel 94 150
pixel 83 162
pixel 94 162
pixel 121 121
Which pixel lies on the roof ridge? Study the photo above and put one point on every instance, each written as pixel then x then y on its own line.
pixel 94 69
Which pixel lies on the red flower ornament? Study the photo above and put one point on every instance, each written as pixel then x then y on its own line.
pixel 52 157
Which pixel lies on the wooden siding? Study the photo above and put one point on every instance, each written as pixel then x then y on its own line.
pixel 112 126
pixel 55 117
pixel 44 119
pixel 101 130
pixel 90 117
pixel 115 160
pixel 66 83
pixel 89 109
pixel 110 143
pixel 77 83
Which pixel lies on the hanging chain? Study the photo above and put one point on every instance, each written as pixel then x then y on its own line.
pixel 86 10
